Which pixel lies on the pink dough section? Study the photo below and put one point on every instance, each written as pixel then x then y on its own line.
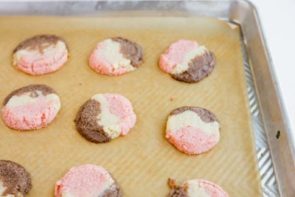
pixel 101 64
pixel 33 115
pixel 122 108
pixel 176 53
pixel 42 63
pixel 212 189
pixel 84 181
pixel 192 140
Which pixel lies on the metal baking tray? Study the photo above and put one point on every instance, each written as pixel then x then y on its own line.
pixel 273 137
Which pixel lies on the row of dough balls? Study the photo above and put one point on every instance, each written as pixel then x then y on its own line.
pixel 90 180
pixel 192 130
pixel 184 60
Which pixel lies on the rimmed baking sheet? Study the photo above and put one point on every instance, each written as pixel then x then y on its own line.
pixel 143 160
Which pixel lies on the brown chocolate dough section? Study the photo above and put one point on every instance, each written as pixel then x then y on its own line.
pixel 204 114
pixel 199 68
pixel 175 190
pixel 130 50
pixel 32 89
pixel 15 178
pixel 39 42
pixel 86 122
pixel 113 191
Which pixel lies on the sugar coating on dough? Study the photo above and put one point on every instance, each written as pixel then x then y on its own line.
pixel 40 55
pixel 105 117
pixel 15 181
pixel 87 180
pixel 187 61
pixel 196 188
pixel 190 134
pixel 31 109
pixel 116 116
pixel 177 57
pixel 115 56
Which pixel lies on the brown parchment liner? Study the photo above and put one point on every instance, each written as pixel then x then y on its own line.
pixel 143 160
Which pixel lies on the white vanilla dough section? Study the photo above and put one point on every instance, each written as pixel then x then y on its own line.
pixel 106 119
pixel 50 50
pixel 188 57
pixel 24 99
pixel 194 189
pixel 190 118
pixel 111 52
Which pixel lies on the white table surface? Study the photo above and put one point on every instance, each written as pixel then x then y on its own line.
pixel 278 22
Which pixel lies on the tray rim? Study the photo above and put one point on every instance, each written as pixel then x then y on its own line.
pixel 245 14
pixel 285 184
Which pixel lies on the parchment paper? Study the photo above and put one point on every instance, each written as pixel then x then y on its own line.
pixel 143 160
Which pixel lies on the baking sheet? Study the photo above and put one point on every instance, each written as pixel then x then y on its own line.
pixel 143 160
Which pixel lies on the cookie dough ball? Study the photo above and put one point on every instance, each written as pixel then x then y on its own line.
pixel 187 61
pixel 87 181
pixel 105 117
pixel 15 181
pixel 116 56
pixel 30 107
pixel 192 130
pixel 40 54
pixel 195 188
